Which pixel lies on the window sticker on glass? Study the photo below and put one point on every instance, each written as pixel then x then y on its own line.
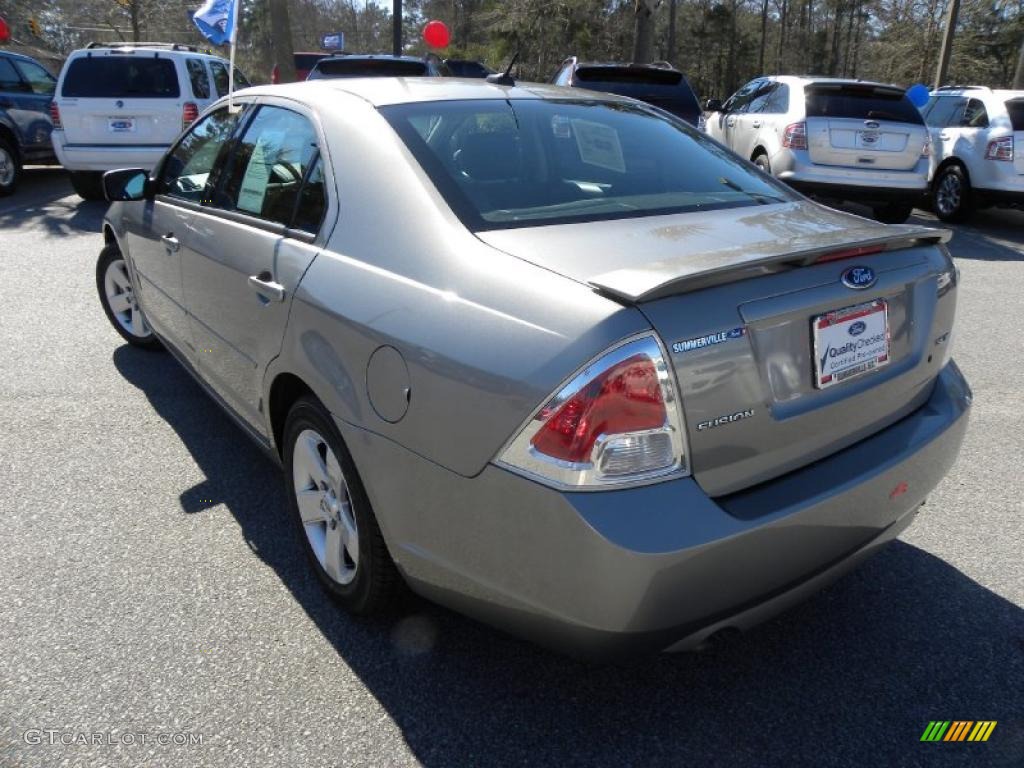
pixel 560 127
pixel 257 173
pixel 598 144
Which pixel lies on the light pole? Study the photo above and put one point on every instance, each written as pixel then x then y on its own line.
pixel 947 44
pixel 396 27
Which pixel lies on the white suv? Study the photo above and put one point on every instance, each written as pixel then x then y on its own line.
pixel 830 138
pixel 122 105
pixel 978 136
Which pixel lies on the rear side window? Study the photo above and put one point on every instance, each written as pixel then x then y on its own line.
pixel 974 115
pixel 38 79
pixel 778 102
pixel 860 102
pixel 271 163
pixel 368 68
pixel 1015 109
pixel 121 77
pixel 199 78
pixel 9 80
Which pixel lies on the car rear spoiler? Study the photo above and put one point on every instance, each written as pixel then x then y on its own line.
pixel 648 282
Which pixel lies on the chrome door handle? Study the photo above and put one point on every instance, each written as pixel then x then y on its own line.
pixel 756 123
pixel 944 136
pixel 171 242
pixel 731 122
pixel 264 285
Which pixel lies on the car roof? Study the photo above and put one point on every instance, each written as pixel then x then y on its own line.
pixel 374 56
pixel 115 49
pixel 385 91
pixel 815 80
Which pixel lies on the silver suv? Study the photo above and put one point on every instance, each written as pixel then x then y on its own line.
pixel 978 160
pixel 830 138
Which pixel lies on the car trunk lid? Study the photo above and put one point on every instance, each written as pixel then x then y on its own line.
pixel 863 126
pixel 736 305
pixel 122 97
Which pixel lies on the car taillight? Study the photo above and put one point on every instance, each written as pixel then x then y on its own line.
pixel 617 421
pixel 795 136
pixel 55 116
pixel 1000 149
pixel 275 75
pixel 189 113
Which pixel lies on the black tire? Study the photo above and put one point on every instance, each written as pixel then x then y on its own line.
pixel 952 198
pixel 10 167
pixel 893 213
pixel 109 257
pixel 88 184
pixel 761 161
pixel 376 581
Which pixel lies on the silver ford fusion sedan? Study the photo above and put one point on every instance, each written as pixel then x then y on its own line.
pixel 553 358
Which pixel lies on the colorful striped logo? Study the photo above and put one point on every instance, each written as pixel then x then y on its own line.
pixel 958 730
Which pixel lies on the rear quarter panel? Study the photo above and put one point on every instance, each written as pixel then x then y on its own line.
pixel 485 337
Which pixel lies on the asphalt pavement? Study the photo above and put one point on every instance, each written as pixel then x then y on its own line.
pixel 155 608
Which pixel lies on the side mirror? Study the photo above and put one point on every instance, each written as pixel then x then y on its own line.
pixel 713 105
pixel 126 184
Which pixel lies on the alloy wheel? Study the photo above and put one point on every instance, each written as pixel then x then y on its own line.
pixel 7 169
pixel 947 197
pixel 325 506
pixel 123 302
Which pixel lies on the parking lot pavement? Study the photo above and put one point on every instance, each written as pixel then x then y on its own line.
pixel 152 585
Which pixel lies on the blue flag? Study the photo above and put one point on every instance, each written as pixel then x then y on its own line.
pixel 216 20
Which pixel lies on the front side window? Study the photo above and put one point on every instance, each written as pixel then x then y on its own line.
pixel 199 78
pixel 38 79
pixel 941 110
pixel 738 101
pixel 501 164
pixel 270 165
pixel 121 77
pixel 187 172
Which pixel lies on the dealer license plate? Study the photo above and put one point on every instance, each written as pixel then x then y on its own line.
pixel 850 342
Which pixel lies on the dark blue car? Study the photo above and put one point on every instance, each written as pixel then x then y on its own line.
pixel 26 90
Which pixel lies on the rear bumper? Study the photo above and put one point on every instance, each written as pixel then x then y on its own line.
pixel 848 183
pixel 660 567
pixel 858 194
pixel 106 157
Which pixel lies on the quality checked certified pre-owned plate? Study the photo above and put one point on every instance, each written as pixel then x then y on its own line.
pixel 850 342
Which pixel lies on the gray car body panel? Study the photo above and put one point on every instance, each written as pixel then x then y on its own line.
pixel 432 345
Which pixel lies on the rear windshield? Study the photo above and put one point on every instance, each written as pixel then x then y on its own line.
pixel 861 102
pixel 502 164
pixel 121 77
pixel 307 61
pixel 368 68
pixel 1016 111
pixel 664 88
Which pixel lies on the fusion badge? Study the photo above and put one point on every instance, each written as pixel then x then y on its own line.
pixel 728 418
pixel 708 341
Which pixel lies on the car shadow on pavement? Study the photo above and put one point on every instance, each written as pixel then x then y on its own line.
pixel 851 677
pixel 44 199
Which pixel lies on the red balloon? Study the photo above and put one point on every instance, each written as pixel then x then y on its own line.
pixel 5 31
pixel 436 34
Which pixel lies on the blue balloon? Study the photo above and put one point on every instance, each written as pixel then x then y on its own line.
pixel 918 95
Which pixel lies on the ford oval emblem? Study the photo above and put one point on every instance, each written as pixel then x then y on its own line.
pixel 859 277
pixel 872 124
pixel 119 104
pixel 857 328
